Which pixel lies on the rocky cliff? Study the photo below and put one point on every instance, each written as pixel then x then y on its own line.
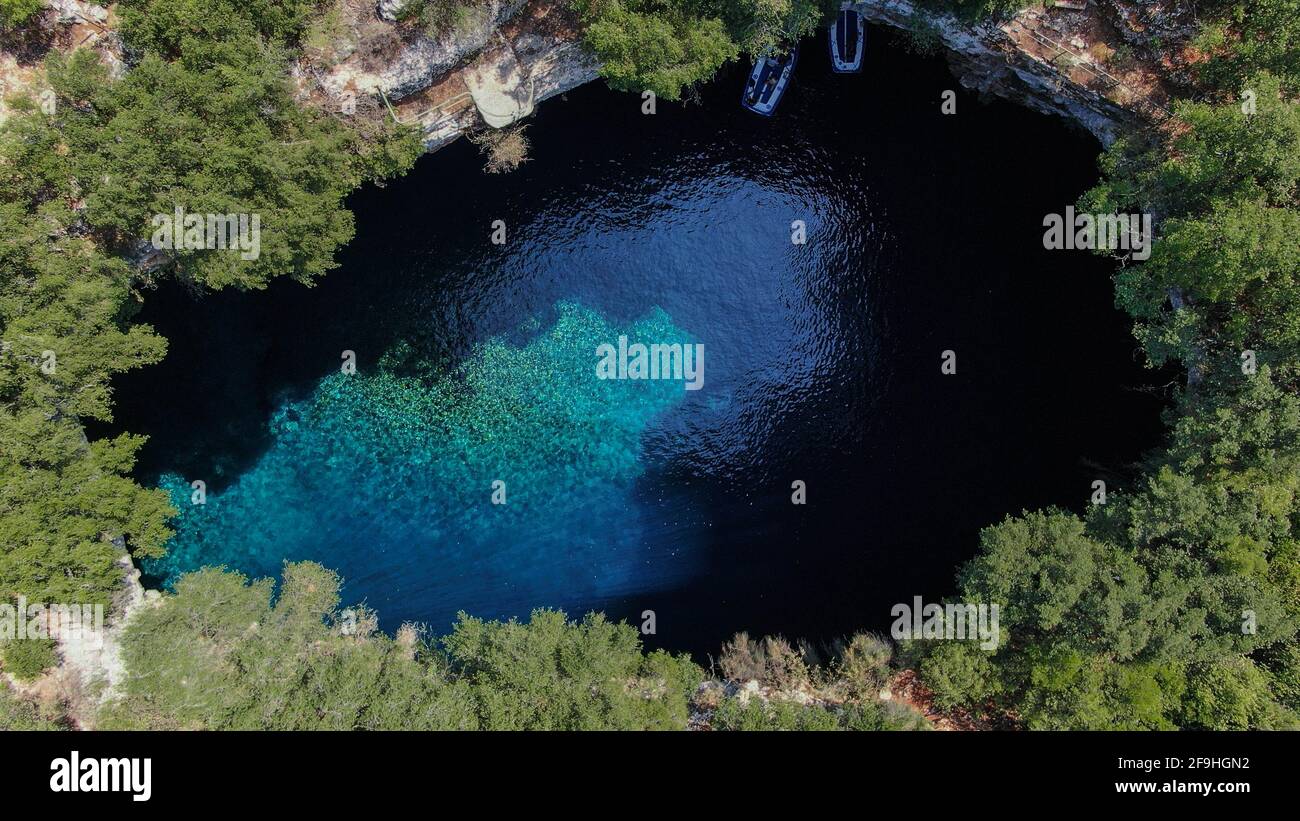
pixel 495 68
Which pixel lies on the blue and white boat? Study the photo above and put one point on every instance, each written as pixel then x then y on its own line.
pixel 847 36
pixel 768 81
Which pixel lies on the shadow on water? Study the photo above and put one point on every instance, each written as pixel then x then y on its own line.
pixel 823 359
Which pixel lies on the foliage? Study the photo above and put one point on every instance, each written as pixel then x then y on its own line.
pixel 205 120
pixel 668 46
pixel 771 661
pixel 734 714
pixel 14 13
pixel 220 654
pixel 1253 35
pixel 18 713
pixel 505 149
pixel 209 133
pixel 921 36
pixel 224 653
pixel 975 10
pixel 1177 602
pixel 863 665
pixel 174 28
pixel 557 675
pixel 753 714
pixel 654 45
pixel 26 659
pixel 1233 695
pixel 763 27
pixel 442 17
pixel 64 307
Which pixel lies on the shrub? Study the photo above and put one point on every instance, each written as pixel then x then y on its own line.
pixel 17 713
pixel 772 661
pixel 957 672
pixel 28 658
pixel 863 665
pixel 505 149
pixel 756 714
pixel 218 654
pixel 14 13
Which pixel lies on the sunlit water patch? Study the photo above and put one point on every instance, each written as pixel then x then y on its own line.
pixel 497 482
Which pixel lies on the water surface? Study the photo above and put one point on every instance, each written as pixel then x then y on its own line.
pixel 476 364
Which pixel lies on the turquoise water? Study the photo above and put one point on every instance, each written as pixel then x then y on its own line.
pixel 408 463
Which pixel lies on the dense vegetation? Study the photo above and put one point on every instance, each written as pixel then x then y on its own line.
pixel 1173 603
pixel 667 46
pixel 1176 603
pixel 205 120
pixel 224 654
pixel 14 13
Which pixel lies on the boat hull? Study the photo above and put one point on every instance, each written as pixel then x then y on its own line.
pixel 847 39
pixel 767 83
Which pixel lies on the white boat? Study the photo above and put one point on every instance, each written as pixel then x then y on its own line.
pixel 847 35
pixel 768 81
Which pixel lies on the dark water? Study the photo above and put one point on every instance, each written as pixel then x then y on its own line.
pixel 475 363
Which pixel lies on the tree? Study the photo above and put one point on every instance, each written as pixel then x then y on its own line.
pixel 14 13
pixel 64 321
pixel 1246 36
pixel 1232 695
pixel 764 27
pixel 648 45
pixel 221 654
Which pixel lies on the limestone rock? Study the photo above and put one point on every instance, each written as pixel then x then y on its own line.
pixel 388 9
pixel 425 58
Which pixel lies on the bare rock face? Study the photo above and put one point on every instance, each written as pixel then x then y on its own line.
pixel 92 668
pixel 389 9
pixel 1158 28
pixel 423 59
pixel 548 66
pixel 986 59
pixel 536 62
pixel 68 12
pixel 1142 21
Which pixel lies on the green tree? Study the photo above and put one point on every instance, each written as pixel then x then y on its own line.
pixel 1232 695
pixel 222 654
pixel 1250 36
pixel 771 26
pixel 14 13
pixel 649 45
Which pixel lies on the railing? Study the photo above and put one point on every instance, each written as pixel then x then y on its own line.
pixel 409 120
pixel 1154 109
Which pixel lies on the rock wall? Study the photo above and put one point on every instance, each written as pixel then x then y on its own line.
pixel 421 59
pixel 984 57
pixel 549 65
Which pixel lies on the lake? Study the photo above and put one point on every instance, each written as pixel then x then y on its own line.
pixel 476 364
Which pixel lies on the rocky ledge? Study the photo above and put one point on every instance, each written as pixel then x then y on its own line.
pixel 494 69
